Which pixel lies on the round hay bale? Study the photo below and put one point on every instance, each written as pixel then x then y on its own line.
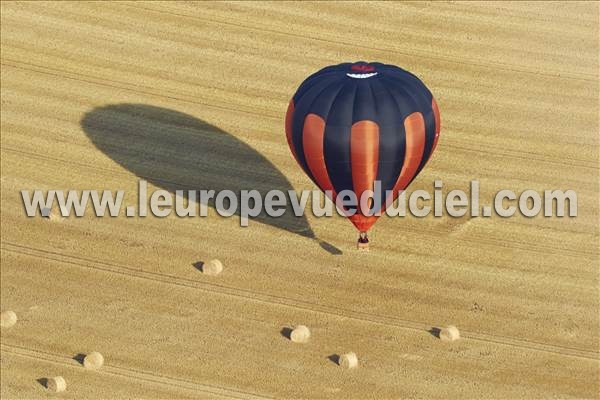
pixel 212 267
pixel 300 334
pixel 8 318
pixel 51 214
pixel 56 384
pixel 348 360
pixel 449 333
pixel 94 360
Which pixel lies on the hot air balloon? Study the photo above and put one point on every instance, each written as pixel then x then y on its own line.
pixel 352 124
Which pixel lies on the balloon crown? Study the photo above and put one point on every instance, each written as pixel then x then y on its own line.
pixel 362 68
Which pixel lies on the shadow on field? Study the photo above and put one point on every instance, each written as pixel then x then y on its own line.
pixel 334 358
pixel 79 357
pixel 176 151
pixel 198 265
pixel 435 332
pixel 286 332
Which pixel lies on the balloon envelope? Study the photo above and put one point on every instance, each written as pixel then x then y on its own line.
pixel 352 124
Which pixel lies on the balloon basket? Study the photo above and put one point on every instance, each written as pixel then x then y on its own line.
pixel 363 242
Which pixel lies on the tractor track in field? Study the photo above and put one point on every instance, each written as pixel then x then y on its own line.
pixel 130 373
pixel 286 302
pixel 428 56
pixel 123 86
pixel 423 55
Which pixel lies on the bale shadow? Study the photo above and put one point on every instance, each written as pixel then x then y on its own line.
pixel 43 382
pixel 176 151
pixel 199 265
pixel 435 332
pixel 79 357
pixel 334 358
pixel 286 332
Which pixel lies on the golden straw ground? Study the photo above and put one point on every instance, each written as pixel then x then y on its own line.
pixel 183 94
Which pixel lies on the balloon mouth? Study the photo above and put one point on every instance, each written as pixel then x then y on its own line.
pixel 362 76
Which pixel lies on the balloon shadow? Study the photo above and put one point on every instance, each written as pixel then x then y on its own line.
pixel 176 151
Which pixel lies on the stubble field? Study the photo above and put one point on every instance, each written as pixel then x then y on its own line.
pixel 193 96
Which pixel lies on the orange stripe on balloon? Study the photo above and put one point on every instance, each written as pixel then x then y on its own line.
pixel 363 222
pixel 414 126
pixel 436 116
pixel 364 157
pixel 313 141
pixel 289 117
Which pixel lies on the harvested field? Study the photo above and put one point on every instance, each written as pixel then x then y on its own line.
pixel 193 96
